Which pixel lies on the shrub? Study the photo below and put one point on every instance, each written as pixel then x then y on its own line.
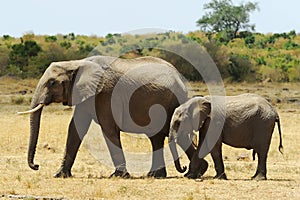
pixel 220 56
pixel 13 70
pixel 266 72
pixel 21 53
pixel 249 41
pixel 6 37
pixel 294 74
pixel 66 44
pixel 239 67
pixel 17 100
pixel 245 34
pixel 261 60
pixel 50 39
pixel 289 45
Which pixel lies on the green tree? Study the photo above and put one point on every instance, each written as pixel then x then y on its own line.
pixel 21 53
pixel 38 64
pixel 226 19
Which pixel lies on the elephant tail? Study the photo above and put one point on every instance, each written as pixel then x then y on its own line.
pixel 174 152
pixel 280 148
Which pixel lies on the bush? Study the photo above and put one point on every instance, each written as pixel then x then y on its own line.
pixel 289 45
pixel 261 60
pixel 50 39
pixel 66 44
pixel 294 74
pixel 17 100
pixel 266 72
pixel 21 53
pixel 220 56
pixel 6 37
pixel 13 70
pixel 249 41
pixel 245 34
pixel 239 67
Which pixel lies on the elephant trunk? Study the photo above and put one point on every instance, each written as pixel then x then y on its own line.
pixel 172 145
pixel 174 153
pixel 35 118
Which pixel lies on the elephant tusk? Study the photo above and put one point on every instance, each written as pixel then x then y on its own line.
pixel 32 110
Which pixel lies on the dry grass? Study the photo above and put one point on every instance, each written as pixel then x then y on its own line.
pixel 91 175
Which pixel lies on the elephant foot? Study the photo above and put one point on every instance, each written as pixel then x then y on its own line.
pixel 121 174
pixel 61 173
pixel 259 177
pixel 221 176
pixel 192 175
pixel 201 169
pixel 160 173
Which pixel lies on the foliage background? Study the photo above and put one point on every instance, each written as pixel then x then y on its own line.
pixel 250 57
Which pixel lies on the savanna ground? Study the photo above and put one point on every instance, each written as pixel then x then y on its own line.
pixel 91 180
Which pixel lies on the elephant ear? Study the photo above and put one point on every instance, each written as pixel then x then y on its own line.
pixel 200 110
pixel 87 81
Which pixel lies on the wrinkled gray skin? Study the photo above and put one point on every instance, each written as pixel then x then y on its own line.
pixel 89 84
pixel 249 123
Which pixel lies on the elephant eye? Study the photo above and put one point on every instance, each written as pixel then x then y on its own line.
pixel 51 82
pixel 176 125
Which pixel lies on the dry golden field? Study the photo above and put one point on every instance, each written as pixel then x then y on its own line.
pixel 91 180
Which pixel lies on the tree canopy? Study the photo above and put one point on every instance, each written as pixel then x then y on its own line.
pixel 227 19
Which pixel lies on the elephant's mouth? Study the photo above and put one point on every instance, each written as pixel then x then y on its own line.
pixel 48 100
pixel 53 99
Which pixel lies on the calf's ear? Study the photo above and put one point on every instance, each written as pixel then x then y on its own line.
pixel 199 113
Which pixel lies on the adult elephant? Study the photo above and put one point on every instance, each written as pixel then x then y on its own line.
pixel 136 95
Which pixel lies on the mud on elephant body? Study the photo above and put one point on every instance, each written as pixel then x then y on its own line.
pixel 136 95
pixel 249 123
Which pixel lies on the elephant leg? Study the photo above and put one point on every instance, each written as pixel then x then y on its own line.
pixel 261 171
pixel 198 166
pixel 113 141
pixel 158 168
pixel 78 128
pixel 216 155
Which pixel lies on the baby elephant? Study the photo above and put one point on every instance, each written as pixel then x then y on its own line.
pixel 249 122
